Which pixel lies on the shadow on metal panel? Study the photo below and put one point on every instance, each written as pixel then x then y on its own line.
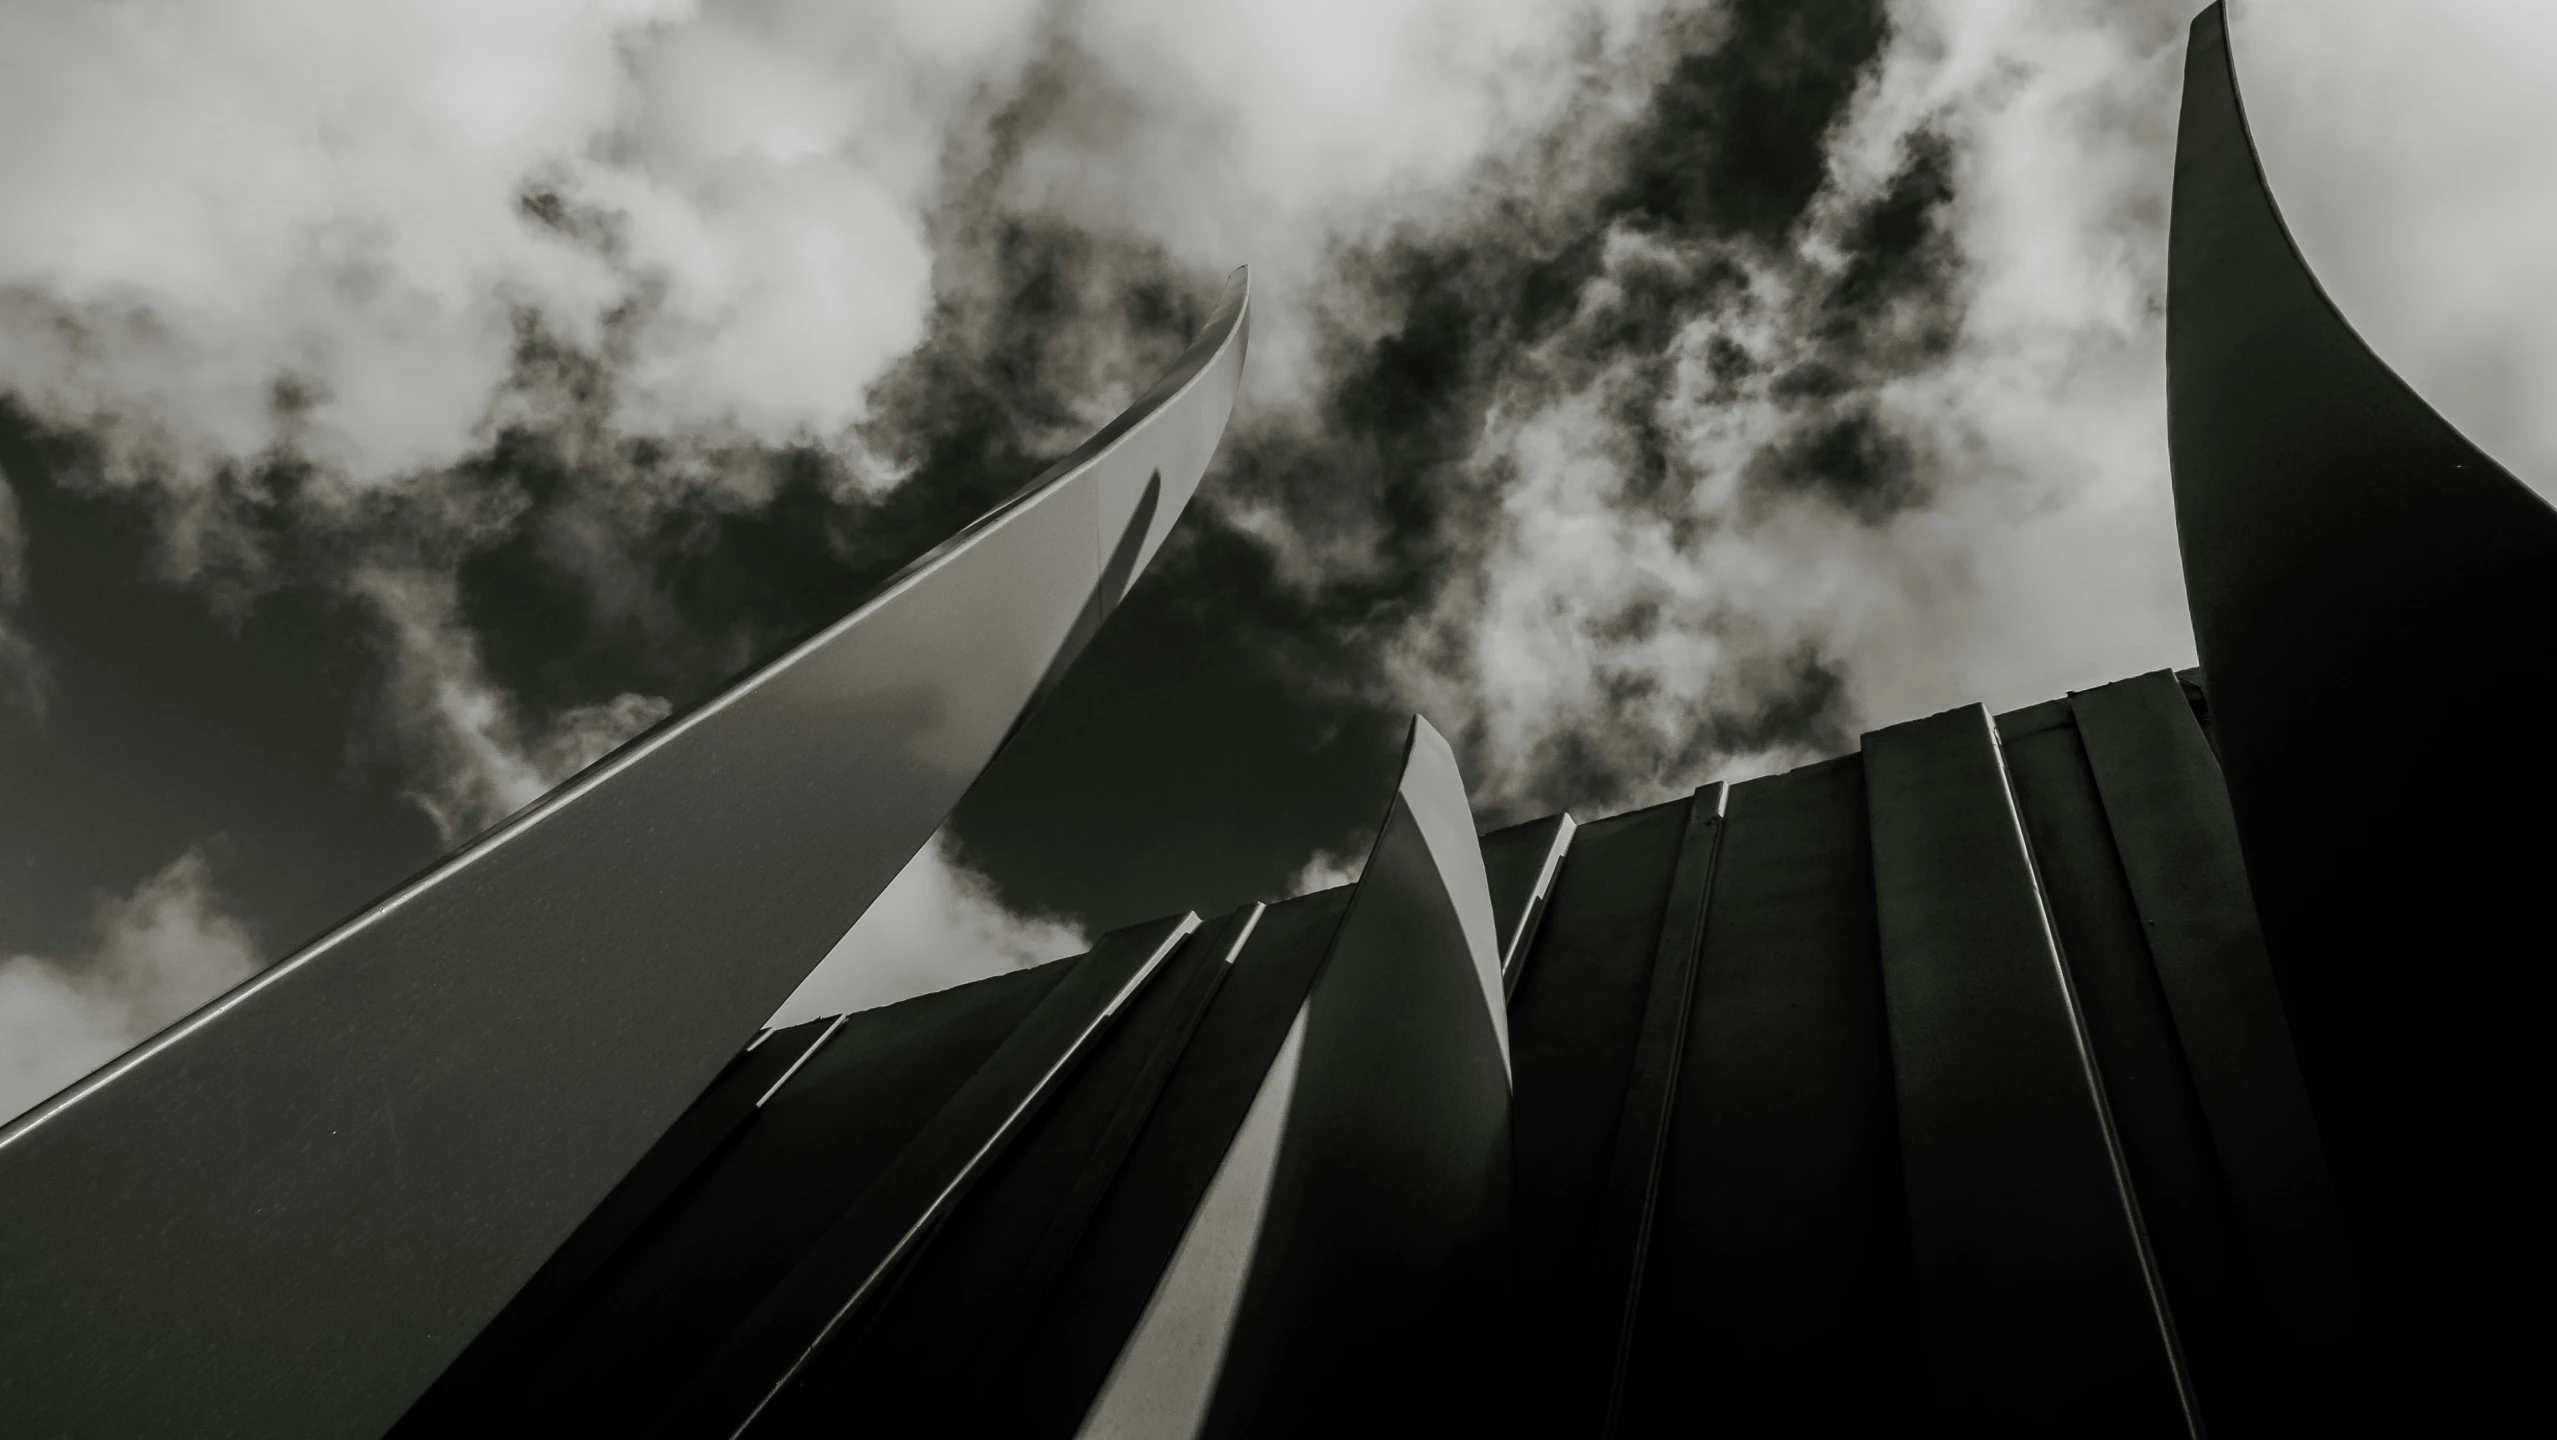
pixel 1379 1285
pixel 304 1200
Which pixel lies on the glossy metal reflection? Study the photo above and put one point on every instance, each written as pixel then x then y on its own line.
pixel 287 1214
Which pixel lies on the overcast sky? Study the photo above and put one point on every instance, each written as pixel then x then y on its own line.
pixel 401 403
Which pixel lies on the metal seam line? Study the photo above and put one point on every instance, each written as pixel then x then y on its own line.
pixel 932 1211
pixel 1251 923
pixel 813 1046
pixel 2151 1278
pixel 1554 856
pixel 1630 1312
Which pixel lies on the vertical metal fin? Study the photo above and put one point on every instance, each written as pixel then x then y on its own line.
pixel 1521 862
pixel 2039 1303
pixel 1776 1283
pixel 1378 1296
pixel 1611 1289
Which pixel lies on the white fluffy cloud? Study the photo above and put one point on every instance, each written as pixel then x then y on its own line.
pixel 161 951
pixel 2049 561
pixel 2408 146
pixel 248 226
pixel 240 227
pixel 937 924
pixel 1272 134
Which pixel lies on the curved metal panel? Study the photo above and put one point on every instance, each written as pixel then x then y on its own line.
pixel 285 1215
pixel 1433 790
pixel 2366 584
pixel 1520 864
pixel 1378 1298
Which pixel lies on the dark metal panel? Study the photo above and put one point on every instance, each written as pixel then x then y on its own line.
pixel 2038 1303
pixel 637 1333
pixel 303 1201
pixel 1620 1230
pixel 1379 1288
pixel 1573 1024
pixel 1114 1272
pixel 845 1270
pixel 1519 863
pixel 1165 1377
pixel 2199 698
pixel 1777 1298
pixel 2236 1364
pixel 934 1350
pixel 2366 584
pixel 2169 816
pixel 534 1315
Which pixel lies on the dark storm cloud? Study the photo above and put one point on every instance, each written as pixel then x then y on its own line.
pixel 1735 141
pixel 1391 500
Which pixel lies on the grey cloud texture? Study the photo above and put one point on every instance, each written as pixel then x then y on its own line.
pixel 271 226
pixel 1689 442
pixel 2408 147
pixel 937 924
pixel 278 225
pixel 475 757
pixel 22 683
pixel 160 951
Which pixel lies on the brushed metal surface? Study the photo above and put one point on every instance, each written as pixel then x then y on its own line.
pixel 288 1213
pixel 1620 1238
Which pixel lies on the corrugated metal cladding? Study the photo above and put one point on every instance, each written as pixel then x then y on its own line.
pixel 1941 1087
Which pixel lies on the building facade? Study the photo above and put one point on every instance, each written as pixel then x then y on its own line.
pixel 2137 1062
